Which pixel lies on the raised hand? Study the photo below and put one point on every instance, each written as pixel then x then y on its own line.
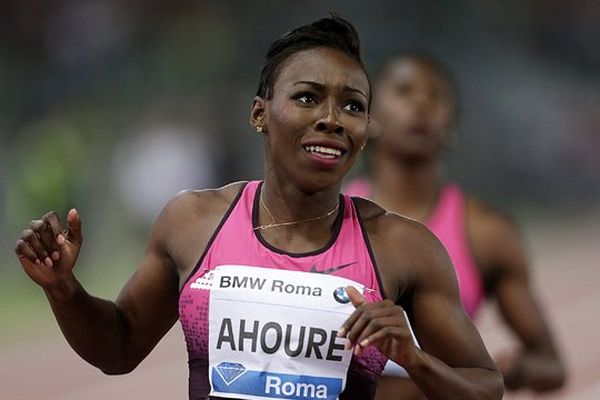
pixel 47 251
pixel 382 324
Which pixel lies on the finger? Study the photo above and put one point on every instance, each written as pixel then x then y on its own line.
pixel 33 241
pixel 24 252
pixel 366 318
pixel 54 221
pixel 390 340
pixel 46 236
pixel 377 325
pixel 34 269
pixel 355 297
pixel 74 222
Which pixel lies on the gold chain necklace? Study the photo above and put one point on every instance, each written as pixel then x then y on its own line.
pixel 274 224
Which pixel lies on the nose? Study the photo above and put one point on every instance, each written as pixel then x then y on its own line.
pixel 329 122
pixel 421 104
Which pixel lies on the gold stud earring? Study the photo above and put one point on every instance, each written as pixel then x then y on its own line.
pixel 363 145
pixel 259 129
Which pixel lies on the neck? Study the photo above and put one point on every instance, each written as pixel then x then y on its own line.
pixel 407 186
pixel 288 203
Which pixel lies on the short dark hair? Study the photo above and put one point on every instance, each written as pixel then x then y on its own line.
pixel 333 32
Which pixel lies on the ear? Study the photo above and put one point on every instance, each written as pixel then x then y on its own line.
pixel 257 113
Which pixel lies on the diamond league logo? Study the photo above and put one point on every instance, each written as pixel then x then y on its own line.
pixel 341 296
pixel 230 372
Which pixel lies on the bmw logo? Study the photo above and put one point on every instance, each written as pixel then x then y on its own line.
pixel 341 296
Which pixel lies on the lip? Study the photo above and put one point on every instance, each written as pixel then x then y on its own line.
pixel 320 162
pixel 334 144
pixel 419 130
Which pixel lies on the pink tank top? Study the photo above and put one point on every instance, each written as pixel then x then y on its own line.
pixel 348 254
pixel 447 222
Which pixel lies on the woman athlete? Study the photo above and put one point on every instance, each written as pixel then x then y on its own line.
pixel 284 287
pixel 415 110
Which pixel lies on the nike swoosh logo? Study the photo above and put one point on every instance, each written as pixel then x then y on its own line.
pixel 330 270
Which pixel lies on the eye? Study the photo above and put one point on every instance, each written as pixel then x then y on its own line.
pixel 402 90
pixel 355 106
pixel 305 97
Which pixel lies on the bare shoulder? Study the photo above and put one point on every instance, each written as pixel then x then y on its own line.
pixel 393 231
pixel 205 203
pixel 494 235
pixel 488 220
pixel 405 250
pixel 183 229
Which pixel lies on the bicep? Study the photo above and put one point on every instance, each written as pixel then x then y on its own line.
pixel 440 323
pixel 147 305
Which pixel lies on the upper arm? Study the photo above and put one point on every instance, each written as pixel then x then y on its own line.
pixel 437 316
pixel 417 271
pixel 499 248
pixel 147 305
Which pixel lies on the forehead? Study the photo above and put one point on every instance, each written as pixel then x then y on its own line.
pixel 324 65
pixel 408 69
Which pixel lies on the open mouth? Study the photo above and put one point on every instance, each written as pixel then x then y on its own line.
pixel 328 153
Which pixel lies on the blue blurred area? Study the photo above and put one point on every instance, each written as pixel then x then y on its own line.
pixel 112 107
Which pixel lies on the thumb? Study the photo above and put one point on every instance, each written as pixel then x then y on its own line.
pixel 355 297
pixel 74 222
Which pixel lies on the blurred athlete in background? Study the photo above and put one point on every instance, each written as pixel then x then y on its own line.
pixel 415 112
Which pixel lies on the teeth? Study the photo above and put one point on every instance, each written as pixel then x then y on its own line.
pixel 324 151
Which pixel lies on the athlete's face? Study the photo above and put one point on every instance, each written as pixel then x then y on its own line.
pixel 316 121
pixel 414 108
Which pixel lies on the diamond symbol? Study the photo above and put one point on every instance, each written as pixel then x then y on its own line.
pixel 230 372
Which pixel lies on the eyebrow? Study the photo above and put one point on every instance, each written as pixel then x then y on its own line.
pixel 320 86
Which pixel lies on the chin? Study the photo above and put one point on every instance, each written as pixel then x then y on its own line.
pixel 414 153
pixel 319 182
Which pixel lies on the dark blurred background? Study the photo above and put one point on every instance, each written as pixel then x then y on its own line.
pixel 114 106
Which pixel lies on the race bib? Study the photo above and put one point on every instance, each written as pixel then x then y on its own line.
pixel 272 333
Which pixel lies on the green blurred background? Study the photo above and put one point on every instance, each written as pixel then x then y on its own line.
pixel 114 106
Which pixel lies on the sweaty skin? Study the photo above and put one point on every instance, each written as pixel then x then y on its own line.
pixel 320 94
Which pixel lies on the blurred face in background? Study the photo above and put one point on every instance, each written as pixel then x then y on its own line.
pixel 317 119
pixel 414 109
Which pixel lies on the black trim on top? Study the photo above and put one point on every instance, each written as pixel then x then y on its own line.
pixel 214 235
pixel 337 227
pixel 368 244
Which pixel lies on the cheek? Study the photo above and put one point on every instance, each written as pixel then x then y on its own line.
pixel 443 118
pixel 280 116
pixel 285 120
pixel 395 111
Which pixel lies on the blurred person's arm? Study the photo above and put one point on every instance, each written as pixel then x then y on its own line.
pixel 499 248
